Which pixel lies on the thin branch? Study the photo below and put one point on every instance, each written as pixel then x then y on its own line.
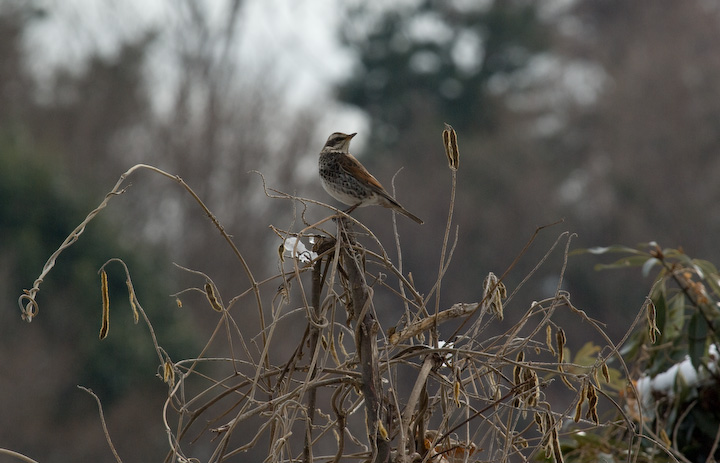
pixel 102 421
pixel 17 455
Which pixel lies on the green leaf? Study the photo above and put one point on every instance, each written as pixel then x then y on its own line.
pixel 711 275
pixel 661 360
pixel 648 265
pixel 625 262
pixel 672 253
pixel 658 290
pixel 707 267
pixel 705 421
pixel 676 317
pixel 690 263
pixel 661 314
pixel 616 248
pixel 587 355
pixel 713 281
pixel 632 346
pixel 697 339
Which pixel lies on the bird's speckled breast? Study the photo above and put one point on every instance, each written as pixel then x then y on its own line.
pixel 341 185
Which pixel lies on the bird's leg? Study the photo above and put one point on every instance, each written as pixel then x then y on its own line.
pixel 348 210
pixel 351 208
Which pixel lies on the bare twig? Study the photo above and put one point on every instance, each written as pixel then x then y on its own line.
pixel 465 401
pixel 102 421
pixel 17 455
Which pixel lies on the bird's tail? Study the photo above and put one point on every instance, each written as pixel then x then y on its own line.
pixel 392 204
pixel 410 216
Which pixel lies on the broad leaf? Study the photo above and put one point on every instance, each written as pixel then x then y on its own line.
pixel 676 317
pixel 697 339
pixel 626 262
pixel 661 314
pixel 616 248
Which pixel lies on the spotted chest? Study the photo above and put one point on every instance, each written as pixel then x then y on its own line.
pixel 341 185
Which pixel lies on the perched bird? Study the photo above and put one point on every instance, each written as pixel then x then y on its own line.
pixel 346 180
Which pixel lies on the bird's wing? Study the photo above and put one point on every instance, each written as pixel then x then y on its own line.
pixel 353 167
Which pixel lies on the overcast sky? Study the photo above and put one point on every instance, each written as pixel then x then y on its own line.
pixel 299 38
pixel 294 40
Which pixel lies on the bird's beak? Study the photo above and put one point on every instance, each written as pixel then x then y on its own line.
pixel 352 135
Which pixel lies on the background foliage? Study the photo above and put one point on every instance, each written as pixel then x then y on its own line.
pixel 601 113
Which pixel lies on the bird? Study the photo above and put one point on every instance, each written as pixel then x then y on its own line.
pixel 348 181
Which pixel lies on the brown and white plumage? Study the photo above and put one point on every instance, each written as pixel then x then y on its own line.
pixel 348 181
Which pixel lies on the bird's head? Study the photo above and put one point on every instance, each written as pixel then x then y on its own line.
pixel 339 142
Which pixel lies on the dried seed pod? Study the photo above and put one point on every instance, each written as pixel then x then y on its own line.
pixel 451 147
pixel 605 372
pixel 105 326
pixel 560 338
pixel 548 340
pixel 592 404
pixel 212 298
pixel 651 315
pixel 168 373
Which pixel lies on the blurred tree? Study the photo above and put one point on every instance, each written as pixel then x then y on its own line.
pixel 655 132
pixel 95 110
pixel 644 156
pixel 61 149
pixel 61 349
pixel 436 57
pixel 43 362
pixel 601 113
pixel 39 209
pixel 429 62
pixel 15 82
